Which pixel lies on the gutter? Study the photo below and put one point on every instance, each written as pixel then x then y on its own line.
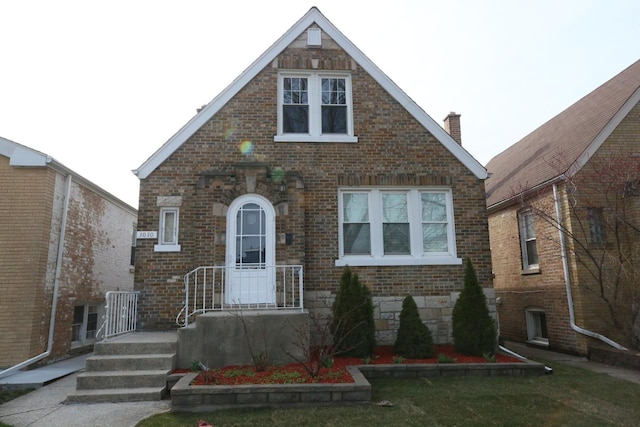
pixel 567 281
pixel 56 287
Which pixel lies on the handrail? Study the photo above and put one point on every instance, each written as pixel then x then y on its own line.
pixel 121 313
pixel 215 288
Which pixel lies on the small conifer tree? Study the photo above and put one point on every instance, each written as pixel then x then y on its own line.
pixel 414 339
pixel 352 324
pixel 474 331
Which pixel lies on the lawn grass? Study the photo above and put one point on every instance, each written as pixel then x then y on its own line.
pixel 569 397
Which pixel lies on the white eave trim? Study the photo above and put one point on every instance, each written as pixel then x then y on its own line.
pixel 313 16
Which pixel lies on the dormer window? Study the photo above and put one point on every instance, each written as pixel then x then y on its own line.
pixel 314 107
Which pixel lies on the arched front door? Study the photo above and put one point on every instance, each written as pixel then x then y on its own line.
pixel 251 251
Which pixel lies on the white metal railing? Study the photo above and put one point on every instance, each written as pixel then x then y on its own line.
pixel 121 313
pixel 214 288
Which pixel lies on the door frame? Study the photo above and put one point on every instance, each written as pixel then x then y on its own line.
pixel 233 276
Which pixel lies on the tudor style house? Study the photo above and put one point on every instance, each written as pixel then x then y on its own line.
pixel 64 243
pixel 310 161
pixel 565 199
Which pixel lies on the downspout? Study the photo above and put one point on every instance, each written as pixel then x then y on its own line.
pixel 56 287
pixel 567 280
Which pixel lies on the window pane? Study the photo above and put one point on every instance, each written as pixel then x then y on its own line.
pixel 394 207
pixel 168 234
pixel 333 92
pixel 357 239
pixel 334 119
pixel 355 207
pixel 434 238
pixel 532 252
pixel 529 229
pixel 396 239
pixel 295 119
pixel 434 207
pixel 295 90
pixel 596 224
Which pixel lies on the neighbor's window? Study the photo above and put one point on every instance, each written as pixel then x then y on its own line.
pixel 396 227
pixel 596 225
pixel 528 240
pixel 168 230
pixel 537 326
pixel 134 240
pixel 314 107
pixel 85 323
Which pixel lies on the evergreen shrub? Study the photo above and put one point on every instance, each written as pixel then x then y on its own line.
pixel 474 331
pixel 352 324
pixel 414 339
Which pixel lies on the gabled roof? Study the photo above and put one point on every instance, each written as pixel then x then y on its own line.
pixel 311 17
pixel 573 136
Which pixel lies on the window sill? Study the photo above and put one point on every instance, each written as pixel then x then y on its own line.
pixel 530 270
pixel 166 248
pixel 391 261
pixel 315 138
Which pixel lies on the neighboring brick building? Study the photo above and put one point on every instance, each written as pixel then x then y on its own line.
pixel 95 257
pixel 588 156
pixel 339 166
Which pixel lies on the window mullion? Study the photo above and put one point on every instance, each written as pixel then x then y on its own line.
pixel 375 221
pixel 315 98
pixel 415 222
pixel 451 235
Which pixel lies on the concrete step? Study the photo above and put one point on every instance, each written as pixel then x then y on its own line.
pixel 108 348
pixel 141 394
pixel 122 379
pixel 136 362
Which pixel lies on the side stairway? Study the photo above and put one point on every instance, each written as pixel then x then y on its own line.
pixel 132 367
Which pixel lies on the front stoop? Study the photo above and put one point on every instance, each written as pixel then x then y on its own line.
pixel 134 367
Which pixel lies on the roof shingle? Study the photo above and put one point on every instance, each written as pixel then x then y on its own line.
pixel 535 159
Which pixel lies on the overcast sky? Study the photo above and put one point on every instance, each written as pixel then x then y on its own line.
pixel 101 85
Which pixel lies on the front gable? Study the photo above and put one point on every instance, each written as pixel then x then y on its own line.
pixel 316 36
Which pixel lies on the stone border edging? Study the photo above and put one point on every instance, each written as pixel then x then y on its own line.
pixel 204 398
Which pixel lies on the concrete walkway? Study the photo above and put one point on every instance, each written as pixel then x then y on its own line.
pixel 576 361
pixel 45 406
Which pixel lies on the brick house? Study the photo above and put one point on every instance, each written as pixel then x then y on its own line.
pixel 560 199
pixel 62 239
pixel 311 160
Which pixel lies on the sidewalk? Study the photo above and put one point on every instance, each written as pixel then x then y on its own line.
pixel 577 361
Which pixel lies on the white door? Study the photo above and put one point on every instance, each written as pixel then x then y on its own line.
pixel 251 251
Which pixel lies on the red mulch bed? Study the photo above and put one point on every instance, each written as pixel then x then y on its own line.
pixel 294 373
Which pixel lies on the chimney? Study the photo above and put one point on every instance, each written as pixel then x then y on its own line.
pixel 452 126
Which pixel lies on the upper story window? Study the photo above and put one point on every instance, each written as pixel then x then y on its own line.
pixel 596 225
pixel 314 107
pixel 396 227
pixel 528 241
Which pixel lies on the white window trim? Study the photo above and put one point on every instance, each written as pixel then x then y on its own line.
pixel 315 114
pixel 524 239
pixel 170 247
pixel 417 256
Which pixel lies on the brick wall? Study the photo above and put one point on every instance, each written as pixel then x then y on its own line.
pixel 209 170
pixel 517 290
pixel 25 217
pixel 96 257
